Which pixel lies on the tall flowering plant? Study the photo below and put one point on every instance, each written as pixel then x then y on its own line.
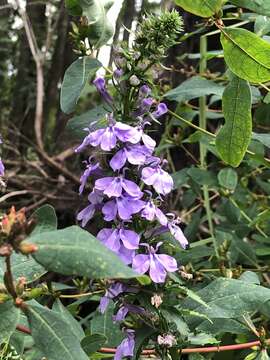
pixel 129 182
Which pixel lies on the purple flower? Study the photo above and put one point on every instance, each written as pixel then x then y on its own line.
pixel 139 135
pixel 2 168
pixel 118 73
pixel 121 241
pixel 152 212
pixel 107 137
pixel 101 87
pixel 161 110
pixel 144 91
pixel 114 186
pixel 125 309
pixel 135 154
pixel 91 168
pixel 95 198
pixel 157 264
pixel 126 348
pixel 177 233
pixel 124 206
pixel 161 181
pixel 113 291
pixel 143 107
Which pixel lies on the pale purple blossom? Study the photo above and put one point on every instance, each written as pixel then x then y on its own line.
pixel 113 291
pixel 100 84
pixel 125 309
pixel 134 154
pixel 167 340
pixel 107 137
pixel 151 212
pixel 95 198
pixel 177 233
pixel 2 168
pixel 121 241
pixel 144 91
pixel 123 206
pixel 161 110
pixel 139 135
pixel 91 168
pixel 161 181
pixel 126 348
pixel 157 264
pixel 114 186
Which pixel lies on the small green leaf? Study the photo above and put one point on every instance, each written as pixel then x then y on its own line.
pixel 52 336
pixel 193 88
pixel 233 138
pixel 46 219
pixel 246 54
pixel 257 6
pixel 202 339
pixel 263 355
pixel 73 251
pixel 262 25
pixel 92 343
pixel 75 78
pixel 77 124
pixel 228 178
pixel 204 8
pixel 250 277
pixel 9 318
pixel 73 324
pixel 262 138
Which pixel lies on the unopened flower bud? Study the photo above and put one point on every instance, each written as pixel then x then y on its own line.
pixel 156 300
pixel 134 81
pixel 167 340
pixel 27 248
pixel 20 285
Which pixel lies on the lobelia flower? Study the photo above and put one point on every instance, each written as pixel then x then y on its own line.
pixel 161 181
pixel 91 169
pixel 161 110
pixel 95 198
pixel 121 241
pixel 177 233
pixel 143 107
pixel 107 137
pixel 125 309
pixel 157 264
pixel 125 206
pixel 126 348
pixel 100 84
pixel 139 135
pixel 114 186
pixel 134 154
pixel 114 290
pixel 152 212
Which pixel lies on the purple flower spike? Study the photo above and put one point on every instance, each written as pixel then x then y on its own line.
pixel 101 87
pixel 157 264
pixel 161 110
pixel 126 348
pixel 124 206
pixel 177 233
pixel 90 170
pixel 114 186
pixel 161 181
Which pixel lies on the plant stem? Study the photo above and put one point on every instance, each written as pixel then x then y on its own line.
pixel 203 149
pixel 8 278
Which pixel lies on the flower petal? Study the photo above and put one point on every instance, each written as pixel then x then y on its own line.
pixel 168 262
pixel 131 188
pixel 109 210
pixel 129 238
pixel 118 160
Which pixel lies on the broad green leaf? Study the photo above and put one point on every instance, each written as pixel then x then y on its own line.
pixel 174 316
pixel 202 177
pixel 221 326
pixel 257 6
pixel 262 24
pixel 202 339
pixel 228 178
pixel 9 318
pixel 73 251
pixel 92 343
pixel 233 138
pixel 251 277
pixel 75 78
pixel 246 54
pixel 229 298
pixel 204 8
pixel 73 7
pixel 72 323
pixel 262 138
pixel 46 219
pixel 77 124
pixel 100 28
pixel 52 336
pixel 193 88
pixel 142 336
pixel 104 325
